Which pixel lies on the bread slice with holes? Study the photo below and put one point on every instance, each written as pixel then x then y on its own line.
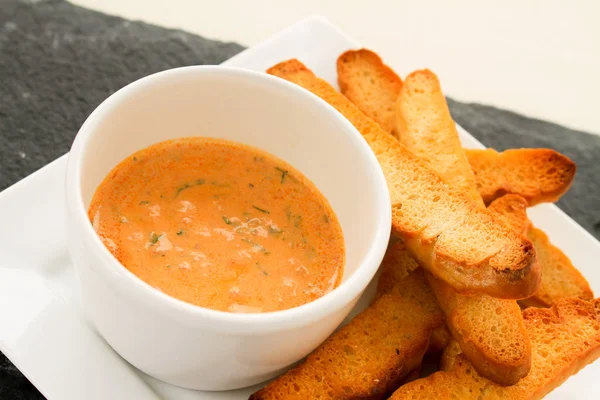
pixel 424 125
pixel 369 357
pixel 445 232
pixel 564 339
pixel 537 175
pixel 370 84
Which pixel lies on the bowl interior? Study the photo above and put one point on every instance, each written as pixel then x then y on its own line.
pixel 249 108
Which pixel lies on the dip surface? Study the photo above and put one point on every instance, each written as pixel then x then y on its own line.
pixel 220 225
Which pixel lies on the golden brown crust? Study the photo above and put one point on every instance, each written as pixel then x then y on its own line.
pixel 424 125
pixel 490 333
pixel 560 278
pixel 537 175
pixel 564 339
pixel 445 232
pixel 369 357
pixel 370 84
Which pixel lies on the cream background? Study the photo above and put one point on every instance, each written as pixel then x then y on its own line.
pixel 539 58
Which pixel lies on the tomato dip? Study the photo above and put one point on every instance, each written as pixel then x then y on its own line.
pixel 220 225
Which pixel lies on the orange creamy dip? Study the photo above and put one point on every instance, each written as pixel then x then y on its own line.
pixel 220 225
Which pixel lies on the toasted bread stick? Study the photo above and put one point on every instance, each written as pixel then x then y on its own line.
pixel 369 357
pixel 538 175
pixel 490 331
pixel 447 234
pixel 564 338
pixel 425 126
pixel 366 80
pixel 560 278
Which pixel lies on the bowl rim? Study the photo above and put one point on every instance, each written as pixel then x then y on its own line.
pixel 215 320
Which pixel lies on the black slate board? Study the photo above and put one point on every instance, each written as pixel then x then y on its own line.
pixel 59 61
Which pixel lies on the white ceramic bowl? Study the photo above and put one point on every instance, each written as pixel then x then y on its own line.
pixel 190 346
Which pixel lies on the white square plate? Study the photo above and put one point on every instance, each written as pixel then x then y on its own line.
pixel 42 327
